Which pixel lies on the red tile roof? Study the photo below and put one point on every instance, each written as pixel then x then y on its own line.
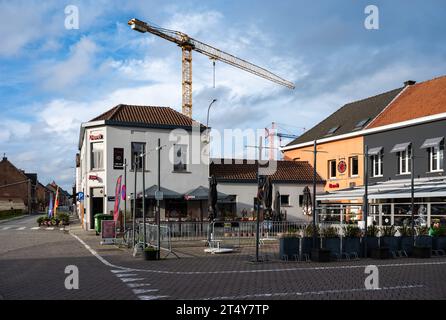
pixel 416 101
pixel 245 171
pixel 148 115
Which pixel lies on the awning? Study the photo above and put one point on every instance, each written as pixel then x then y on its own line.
pixel 400 147
pixel 432 143
pixel 202 193
pixel 375 151
pixel 167 193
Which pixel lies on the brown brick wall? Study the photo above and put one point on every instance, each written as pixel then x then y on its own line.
pixel 10 174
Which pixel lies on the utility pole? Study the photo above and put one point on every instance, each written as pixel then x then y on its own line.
pixel 314 193
pixel 144 198
pixel 158 210
pixel 412 191
pixel 366 195
pixel 135 166
pixel 29 196
pixel 258 201
pixel 125 197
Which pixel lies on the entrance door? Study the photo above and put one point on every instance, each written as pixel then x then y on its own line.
pixel 97 205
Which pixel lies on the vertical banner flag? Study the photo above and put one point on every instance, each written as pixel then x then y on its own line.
pixel 117 198
pixel 50 206
pixel 124 191
pixel 56 202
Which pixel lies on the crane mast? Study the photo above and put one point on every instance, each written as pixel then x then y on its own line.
pixel 188 44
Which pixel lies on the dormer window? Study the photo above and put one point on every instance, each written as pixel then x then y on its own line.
pixel 361 123
pixel 332 131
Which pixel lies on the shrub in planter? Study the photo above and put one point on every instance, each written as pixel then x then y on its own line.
pixel 388 238
pixel 439 241
pixel 64 218
pixel 352 239
pixel 423 238
pixel 289 245
pixel 307 239
pixel 40 220
pixel 150 253
pixel 406 239
pixel 372 240
pixel 331 239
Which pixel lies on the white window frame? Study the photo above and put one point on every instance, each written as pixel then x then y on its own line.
pixel 184 158
pixel 329 169
pixel 438 161
pixel 350 164
pixel 377 159
pixel 100 159
pixel 405 160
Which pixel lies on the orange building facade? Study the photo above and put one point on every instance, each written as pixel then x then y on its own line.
pixel 340 163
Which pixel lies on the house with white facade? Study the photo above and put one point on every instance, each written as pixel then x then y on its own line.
pixel 110 146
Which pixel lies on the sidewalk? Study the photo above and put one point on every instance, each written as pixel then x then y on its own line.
pixel 16 218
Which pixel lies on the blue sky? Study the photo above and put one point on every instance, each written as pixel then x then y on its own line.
pixel 52 79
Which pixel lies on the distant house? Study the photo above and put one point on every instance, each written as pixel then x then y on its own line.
pixel 16 188
pixel 64 196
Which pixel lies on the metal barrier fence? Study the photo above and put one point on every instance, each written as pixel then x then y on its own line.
pixel 152 236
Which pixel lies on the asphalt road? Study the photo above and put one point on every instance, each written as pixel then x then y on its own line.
pixel 33 262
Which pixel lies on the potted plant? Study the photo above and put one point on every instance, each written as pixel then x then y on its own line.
pixel 406 239
pixel 40 220
pixel 150 253
pixel 289 244
pixel 423 238
pixel 372 240
pixel 307 239
pixel 388 238
pixel 439 238
pixel 352 239
pixel 331 239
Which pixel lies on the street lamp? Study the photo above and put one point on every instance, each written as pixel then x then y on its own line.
pixel 209 108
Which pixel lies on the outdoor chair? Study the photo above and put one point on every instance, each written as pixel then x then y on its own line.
pixel 438 253
pixel 402 254
pixel 354 255
pixel 345 255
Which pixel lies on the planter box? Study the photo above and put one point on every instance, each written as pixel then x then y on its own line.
pixel 422 252
pixel 332 244
pixel 380 253
pixel 407 244
pixel 351 245
pixel 289 247
pixel 150 255
pixel 372 243
pixel 320 255
pixel 439 243
pixel 307 245
pixel 423 241
pixel 393 243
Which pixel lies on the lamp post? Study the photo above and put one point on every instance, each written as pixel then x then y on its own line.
pixel 366 196
pixel 144 198
pixel 135 166
pixel 209 108
pixel 412 191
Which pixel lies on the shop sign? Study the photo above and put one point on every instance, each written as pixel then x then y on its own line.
pixel 94 137
pixel 342 166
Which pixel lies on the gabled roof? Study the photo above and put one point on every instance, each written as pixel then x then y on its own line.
pixel 238 170
pixel 419 100
pixel 147 115
pixel 351 117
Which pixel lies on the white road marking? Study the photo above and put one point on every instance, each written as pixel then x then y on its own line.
pixel 138 285
pixel 151 297
pixel 121 275
pixel 35 228
pixel 281 294
pixel 6 228
pixel 131 279
pixel 118 271
pixel 21 228
pixel 141 291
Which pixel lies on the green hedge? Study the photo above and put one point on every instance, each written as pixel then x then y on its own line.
pixel 10 213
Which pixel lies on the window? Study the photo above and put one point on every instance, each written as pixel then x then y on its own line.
pixel 404 163
pixel 138 148
pixel 361 124
pixel 97 155
pixel 301 200
pixel 377 165
pixel 332 169
pixel 332 130
pixel 354 166
pixel 436 156
pixel 180 158
pixel 284 200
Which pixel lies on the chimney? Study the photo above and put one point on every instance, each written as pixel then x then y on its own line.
pixel 409 83
pixel 4 157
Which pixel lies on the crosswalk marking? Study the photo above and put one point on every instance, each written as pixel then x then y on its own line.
pixel 6 228
pixel 131 279
pixel 50 228
pixel 141 291
pixel 151 297
pixel 35 228
pixel 17 228
pixel 21 228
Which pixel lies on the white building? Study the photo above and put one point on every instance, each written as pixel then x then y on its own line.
pixel 238 179
pixel 118 136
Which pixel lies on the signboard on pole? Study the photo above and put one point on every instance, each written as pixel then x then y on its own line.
pixel 159 195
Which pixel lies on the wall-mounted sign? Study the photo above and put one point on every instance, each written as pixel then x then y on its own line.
pixel 342 166
pixel 118 158
pixel 333 185
pixel 111 198
pixel 93 177
pixel 98 136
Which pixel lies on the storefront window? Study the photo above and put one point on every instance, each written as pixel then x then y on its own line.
pixel 438 213
pixel 97 155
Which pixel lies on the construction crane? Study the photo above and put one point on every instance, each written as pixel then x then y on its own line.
pixel 272 133
pixel 187 44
